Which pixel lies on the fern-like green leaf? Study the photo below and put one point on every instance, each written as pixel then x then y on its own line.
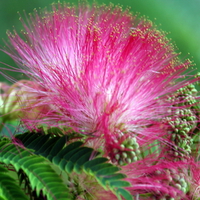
pixel 119 184
pixel 73 158
pixel 106 179
pixel 9 188
pixel 58 146
pixel 38 142
pixel 46 148
pixel 124 193
pixel 80 162
pixel 25 136
pixel 77 158
pixel 100 166
pixel 67 149
pixel 32 138
pixel 42 177
pixel 107 171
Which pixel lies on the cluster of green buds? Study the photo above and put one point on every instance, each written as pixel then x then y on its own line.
pixel 176 180
pixel 187 95
pixel 128 152
pixel 182 124
pixel 16 101
pixel 9 107
pixel 184 121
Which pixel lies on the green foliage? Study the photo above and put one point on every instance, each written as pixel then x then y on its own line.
pixel 38 169
pixel 9 189
pixel 77 158
pixel 35 157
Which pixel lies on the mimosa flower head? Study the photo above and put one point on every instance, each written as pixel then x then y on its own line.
pixel 167 180
pixel 103 70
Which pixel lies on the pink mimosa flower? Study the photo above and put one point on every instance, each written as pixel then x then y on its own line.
pixel 168 180
pixel 103 71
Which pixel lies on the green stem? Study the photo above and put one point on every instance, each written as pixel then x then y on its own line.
pixel 1 125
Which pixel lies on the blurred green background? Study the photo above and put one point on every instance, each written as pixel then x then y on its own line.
pixel 180 18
